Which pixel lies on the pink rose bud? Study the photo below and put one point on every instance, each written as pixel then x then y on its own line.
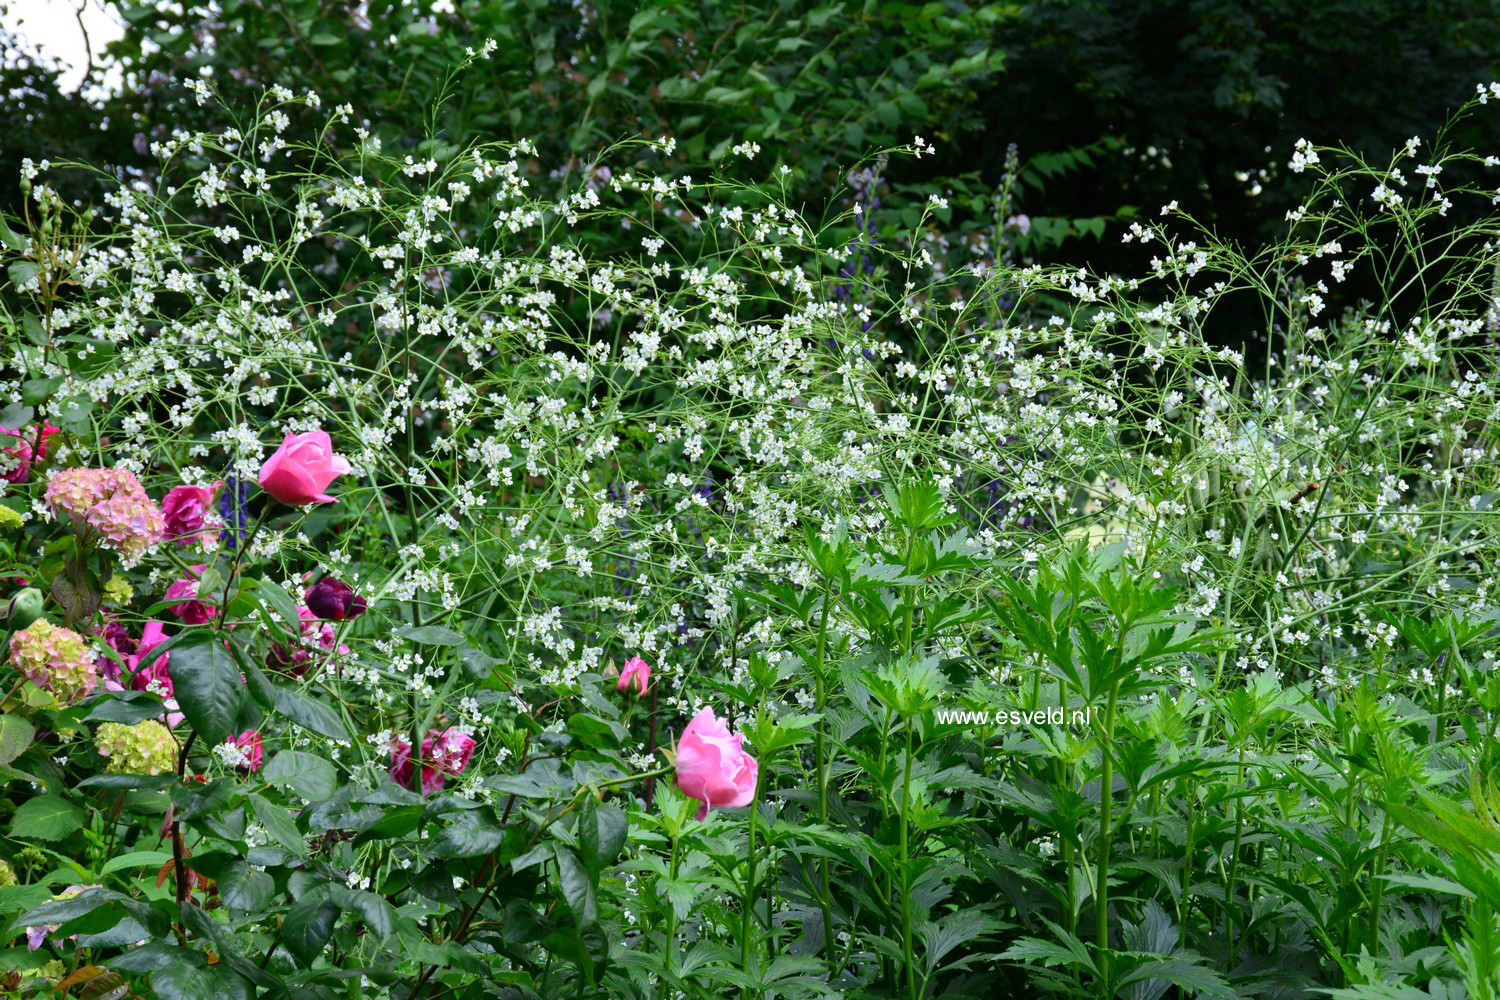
pixel 302 468
pixel 711 767
pixel 249 751
pixel 637 674
pixel 330 598
pixel 184 509
pixel 193 612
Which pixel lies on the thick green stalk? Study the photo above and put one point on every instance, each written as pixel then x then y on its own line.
pixel 1377 885
pixel 825 900
pixel 669 960
pixel 911 970
pixel 1234 859
pixel 747 906
pixel 1106 796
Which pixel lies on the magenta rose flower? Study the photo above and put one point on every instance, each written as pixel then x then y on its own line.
pixel 154 677
pixel 185 510
pixel 193 612
pixel 301 469
pixel 443 753
pixel 637 674
pixel 246 752
pixel 334 599
pixel 711 767
pixel 21 452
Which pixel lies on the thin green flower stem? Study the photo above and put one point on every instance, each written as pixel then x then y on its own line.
pixel 239 555
pixel 825 901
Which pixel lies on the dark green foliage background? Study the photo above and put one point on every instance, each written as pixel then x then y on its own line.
pixel 1084 88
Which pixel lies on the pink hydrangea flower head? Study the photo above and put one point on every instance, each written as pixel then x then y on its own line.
pixel 637 675
pixel 246 753
pixel 193 612
pixel 110 503
pixel 21 452
pixel 56 659
pixel 301 469
pixel 185 511
pixel 711 767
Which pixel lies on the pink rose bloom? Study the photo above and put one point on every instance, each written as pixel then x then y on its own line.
pixel 448 752
pixel 193 612
pixel 22 451
pixel 637 674
pixel 302 468
pixel 185 509
pixel 443 753
pixel 155 676
pixel 711 767
pixel 248 744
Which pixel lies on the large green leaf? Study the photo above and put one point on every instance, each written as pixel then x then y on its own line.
pixel 16 735
pixel 308 925
pixel 377 914
pixel 206 683
pixel 577 887
pixel 180 981
pixel 311 777
pixel 431 635
pixel 46 817
pixel 470 834
pixel 601 834
pixel 309 713
pixel 279 824
pixel 128 707
pixel 244 889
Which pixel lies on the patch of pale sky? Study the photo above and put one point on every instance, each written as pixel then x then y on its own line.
pixel 52 27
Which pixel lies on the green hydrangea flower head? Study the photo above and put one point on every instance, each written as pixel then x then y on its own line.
pixel 55 659
pixel 144 748
pixel 117 590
